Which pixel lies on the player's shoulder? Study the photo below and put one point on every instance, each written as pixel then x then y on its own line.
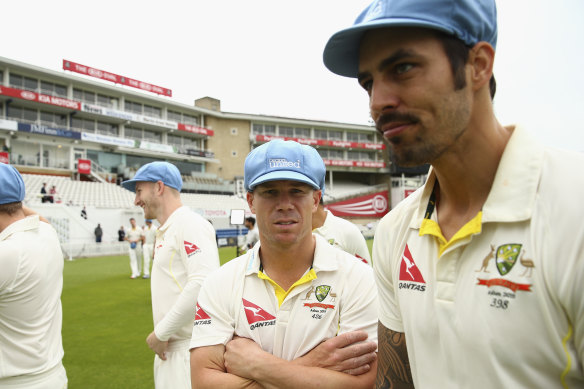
pixel 227 274
pixel 345 262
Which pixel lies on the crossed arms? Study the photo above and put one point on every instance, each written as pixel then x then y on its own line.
pixel 339 362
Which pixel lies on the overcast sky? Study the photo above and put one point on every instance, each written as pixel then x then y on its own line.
pixel 265 56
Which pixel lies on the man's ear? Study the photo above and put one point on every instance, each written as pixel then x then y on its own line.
pixel 249 197
pixel 316 195
pixel 158 187
pixel 481 60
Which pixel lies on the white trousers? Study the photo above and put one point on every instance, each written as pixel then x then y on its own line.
pixel 147 250
pixel 175 372
pixel 134 262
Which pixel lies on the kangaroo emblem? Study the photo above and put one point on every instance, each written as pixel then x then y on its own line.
pixel 527 263
pixel 486 260
pixel 310 291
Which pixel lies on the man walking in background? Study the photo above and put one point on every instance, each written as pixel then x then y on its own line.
pixel 148 247
pixel 31 282
pixel 134 236
pixel 487 257
pixel 340 233
pixel 185 252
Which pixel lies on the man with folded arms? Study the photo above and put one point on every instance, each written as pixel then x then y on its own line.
pixel 261 318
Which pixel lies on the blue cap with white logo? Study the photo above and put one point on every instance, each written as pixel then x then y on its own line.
pixel 154 172
pixel 284 160
pixel 11 185
pixel 471 21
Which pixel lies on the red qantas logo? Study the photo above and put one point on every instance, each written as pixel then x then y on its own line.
pixel 255 313
pixel 200 314
pixel 408 270
pixel 361 258
pixel 191 248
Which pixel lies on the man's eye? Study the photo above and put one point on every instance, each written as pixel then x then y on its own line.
pixel 367 85
pixel 403 67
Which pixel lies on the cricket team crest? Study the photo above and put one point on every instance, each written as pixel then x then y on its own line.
pixel 506 257
pixel 321 292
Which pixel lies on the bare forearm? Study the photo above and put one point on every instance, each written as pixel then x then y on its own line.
pixel 394 366
pixel 275 373
pixel 212 379
pixel 208 371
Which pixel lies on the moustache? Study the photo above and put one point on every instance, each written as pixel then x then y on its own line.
pixel 390 117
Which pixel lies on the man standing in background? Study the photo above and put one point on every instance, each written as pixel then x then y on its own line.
pixel 98 233
pixel 134 236
pixel 252 235
pixel 31 282
pixel 121 234
pixel 148 246
pixel 340 233
pixel 185 252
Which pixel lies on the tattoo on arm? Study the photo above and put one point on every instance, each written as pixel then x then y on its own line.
pixel 393 369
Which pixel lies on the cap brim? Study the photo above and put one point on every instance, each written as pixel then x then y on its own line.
pixel 341 53
pixel 130 185
pixel 283 175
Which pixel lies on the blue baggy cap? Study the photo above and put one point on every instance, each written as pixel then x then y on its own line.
pixel 471 21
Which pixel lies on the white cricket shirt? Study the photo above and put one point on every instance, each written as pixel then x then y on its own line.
pixel 345 235
pixel 504 307
pixel 149 234
pixel 31 281
pixel 185 253
pixel 235 301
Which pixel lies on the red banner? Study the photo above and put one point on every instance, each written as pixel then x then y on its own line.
pixel 4 157
pixel 39 98
pixel 372 205
pixel 84 166
pixel 323 142
pixel 349 163
pixel 195 129
pixel 514 286
pixel 115 78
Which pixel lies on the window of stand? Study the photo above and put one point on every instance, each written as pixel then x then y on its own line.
pixel 357 155
pixel 264 129
pixel 52 89
pixel 107 129
pixel 26 115
pixel 133 133
pixel 52 119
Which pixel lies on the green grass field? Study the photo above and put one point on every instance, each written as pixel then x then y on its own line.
pixel 106 319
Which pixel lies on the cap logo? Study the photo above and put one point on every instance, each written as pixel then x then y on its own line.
pixel 283 163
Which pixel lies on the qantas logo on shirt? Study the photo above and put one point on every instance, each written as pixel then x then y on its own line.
pixel 257 316
pixel 191 248
pixel 409 273
pixel 201 316
pixel 361 258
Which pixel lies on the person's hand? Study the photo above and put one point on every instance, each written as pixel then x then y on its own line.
pixel 240 354
pixel 348 352
pixel 157 345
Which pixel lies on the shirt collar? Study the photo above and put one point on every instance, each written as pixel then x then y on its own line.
pixel 323 260
pixel 177 212
pixel 26 224
pixel 514 189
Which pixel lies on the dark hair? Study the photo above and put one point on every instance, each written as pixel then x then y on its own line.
pixel 251 220
pixel 457 52
pixel 10 208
